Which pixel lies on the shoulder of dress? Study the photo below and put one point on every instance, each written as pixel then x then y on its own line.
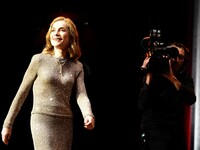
pixel 40 56
pixel 76 62
pixel 37 55
pixel 77 65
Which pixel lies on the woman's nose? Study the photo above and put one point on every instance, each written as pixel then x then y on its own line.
pixel 57 32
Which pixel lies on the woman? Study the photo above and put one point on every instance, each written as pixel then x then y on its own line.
pixel 53 73
pixel 162 101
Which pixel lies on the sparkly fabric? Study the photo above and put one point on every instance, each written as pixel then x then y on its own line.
pixel 51 132
pixel 52 84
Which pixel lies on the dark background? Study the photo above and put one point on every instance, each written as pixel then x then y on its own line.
pixel 110 38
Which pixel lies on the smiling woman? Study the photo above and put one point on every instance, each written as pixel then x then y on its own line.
pixel 54 74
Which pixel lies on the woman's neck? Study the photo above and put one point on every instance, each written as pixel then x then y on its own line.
pixel 59 53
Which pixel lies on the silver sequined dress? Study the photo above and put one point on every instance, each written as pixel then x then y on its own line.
pixel 51 115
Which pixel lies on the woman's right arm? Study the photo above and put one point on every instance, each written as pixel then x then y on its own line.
pixel 19 99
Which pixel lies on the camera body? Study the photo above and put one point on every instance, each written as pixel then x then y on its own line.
pixel 159 53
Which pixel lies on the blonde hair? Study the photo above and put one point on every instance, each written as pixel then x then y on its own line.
pixel 73 49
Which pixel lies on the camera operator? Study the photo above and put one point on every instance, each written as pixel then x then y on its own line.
pixel 162 102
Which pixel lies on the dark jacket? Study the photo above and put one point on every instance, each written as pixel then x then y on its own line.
pixel 162 105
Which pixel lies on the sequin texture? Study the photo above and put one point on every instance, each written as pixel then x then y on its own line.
pixel 51 115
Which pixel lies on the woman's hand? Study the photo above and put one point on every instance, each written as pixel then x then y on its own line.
pixel 170 75
pixel 89 122
pixel 5 135
pixel 145 62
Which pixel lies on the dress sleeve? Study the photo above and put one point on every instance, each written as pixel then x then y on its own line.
pixel 81 95
pixel 22 92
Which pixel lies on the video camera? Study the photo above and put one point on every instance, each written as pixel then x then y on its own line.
pixel 159 53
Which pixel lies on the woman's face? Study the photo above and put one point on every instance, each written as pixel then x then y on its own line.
pixel 59 35
pixel 179 63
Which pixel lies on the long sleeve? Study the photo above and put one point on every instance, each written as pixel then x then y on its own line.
pixel 143 100
pixel 21 94
pixel 187 91
pixel 82 97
